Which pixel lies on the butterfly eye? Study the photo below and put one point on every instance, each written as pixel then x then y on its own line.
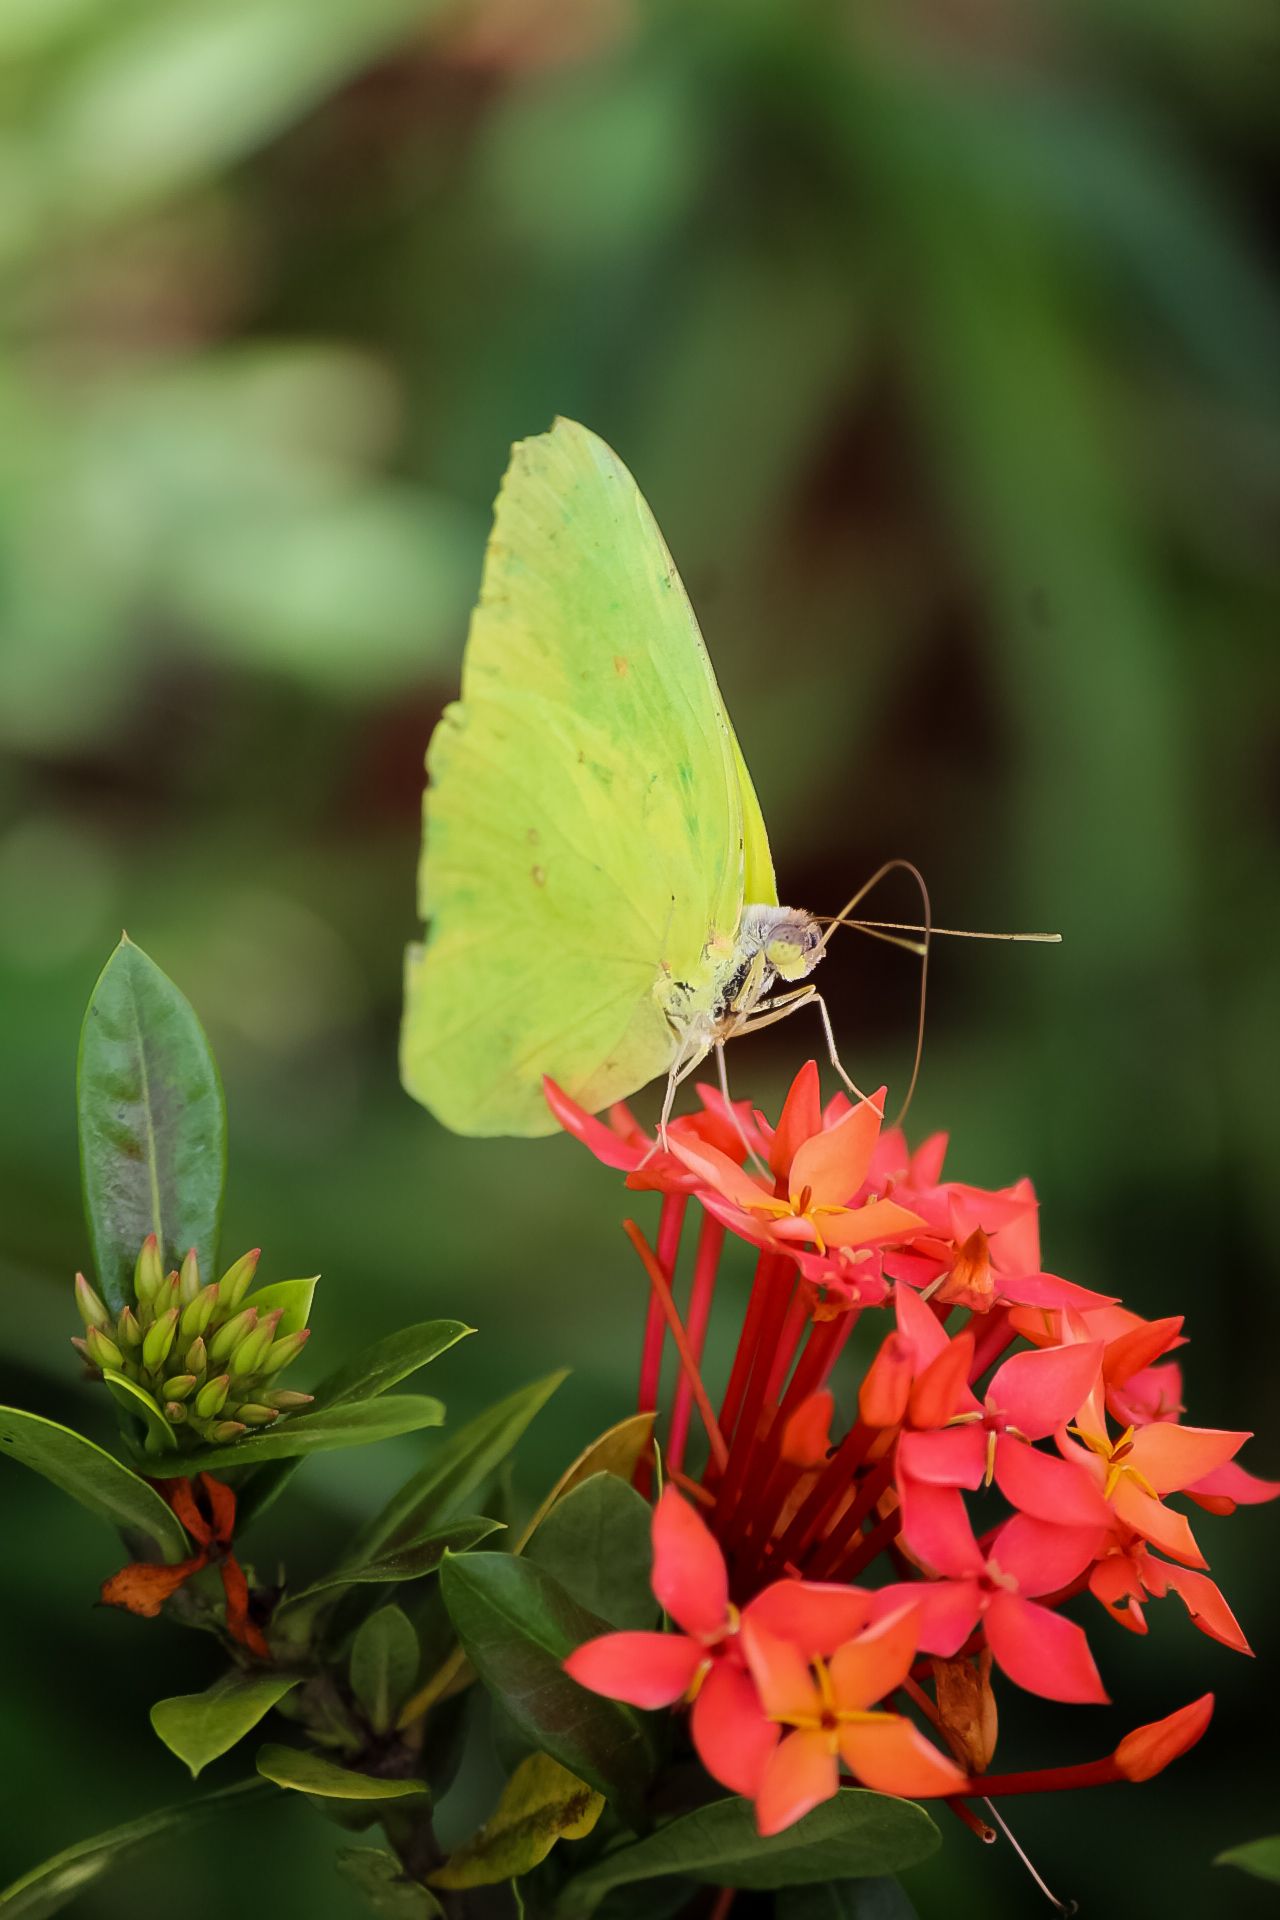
pixel 795 949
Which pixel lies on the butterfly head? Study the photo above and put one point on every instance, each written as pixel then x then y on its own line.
pixel 789 939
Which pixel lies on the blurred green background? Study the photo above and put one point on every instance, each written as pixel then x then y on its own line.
pixel 944 343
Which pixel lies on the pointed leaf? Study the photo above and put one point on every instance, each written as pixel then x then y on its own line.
pixel 596 1542
pixel 854 1834
pixel 159 1436
pixel 200 1726
pixel 306 1772
pixel 53 1885
pixel 318 1431
pixel 455 1470
pixel 541 1803
pixel 1258 1857
pixel 517 1625
pixel 617 1451
pixel 153 1143
pixel 384 1666
pixel 410 1562
pixel 389 1361
pixel 379 1876
pixel 293 1297
pixel 95 1478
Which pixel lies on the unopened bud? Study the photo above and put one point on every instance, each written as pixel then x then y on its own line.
pixel 174 1412
pixel 886 1386
pixel 251 1349
pixel 287 1401
pixel 102 1349
pixel 212 1396
pixel 160 1337
pixel 82 1348
pixel 255 1415
pixel 231 1333
pixel 806 1437
pixel 179 1386
pixel 237 1279
pixel 129 1329
pixel 189 1278
pixel 199 1311
pixel 196 1358
pixel 148 1274
pixel 281 1352
pixel 227 1430
pixel 91 1309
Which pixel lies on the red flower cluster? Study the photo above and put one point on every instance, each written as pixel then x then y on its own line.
pixel 1015 1443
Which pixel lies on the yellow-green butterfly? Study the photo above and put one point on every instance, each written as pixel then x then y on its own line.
pixel 596 876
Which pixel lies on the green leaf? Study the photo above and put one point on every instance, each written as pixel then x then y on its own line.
pixel 616 1451
pixel 379 1876
pixel 137 1402
pixel 541 1803
pixel 880 1899
pixel 306 1772
pixel 200 1726
pixel 1258 1857
pixel 410 1562
pixel 384 1666
pixel 517 1625
pixel 293 1297
pixel 854 1834
pixel 389 1361
pixel 95 1478
pixel 596 1543
pixel 56 1882
pixel 153 1130
pixel 318 1431
pixel 456 1469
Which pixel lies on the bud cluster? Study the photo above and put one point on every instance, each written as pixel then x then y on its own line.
pixel 210 1361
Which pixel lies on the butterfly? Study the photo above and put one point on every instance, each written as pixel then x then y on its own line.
pixel 595 876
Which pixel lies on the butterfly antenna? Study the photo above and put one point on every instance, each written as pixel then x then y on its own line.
pixel 888 930
pixel 1064 1907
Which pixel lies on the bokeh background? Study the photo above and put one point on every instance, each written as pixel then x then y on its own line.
pixel 944 341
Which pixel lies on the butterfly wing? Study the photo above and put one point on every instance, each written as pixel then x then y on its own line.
pixel 584 816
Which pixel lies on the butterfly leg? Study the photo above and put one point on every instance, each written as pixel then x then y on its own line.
pixel 781 1006
pixel 753 1157
pixel 688 1059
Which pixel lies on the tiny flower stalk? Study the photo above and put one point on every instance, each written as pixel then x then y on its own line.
pixel 1006 1447
pixel 207 1356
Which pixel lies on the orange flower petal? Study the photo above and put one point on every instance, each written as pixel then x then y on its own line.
pixel 833 1165
pixel 802 1773
pixel 143 1588
pixel 893 1756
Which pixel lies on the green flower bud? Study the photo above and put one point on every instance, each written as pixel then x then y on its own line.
pixel 286 1401
pixel 231 1333
pixel 129 1329
pixel 254 1415
pixel 281 1352
pixel 174 1412
pixel 160 1337
pixel 102 1349
pixel 227 1430
pixel 179 1386
pixel 199 1311
pixel 148 1274
pixel 82 1348
pixel 237 1280
pixel 91 1309
pixel 197 1359
pixel 212 1396
pixel 244 1361
pixel 189 1278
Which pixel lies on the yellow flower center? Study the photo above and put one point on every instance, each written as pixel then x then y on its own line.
pixel 1116 1454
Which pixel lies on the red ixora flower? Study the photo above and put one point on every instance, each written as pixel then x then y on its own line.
pixel 143 1587
pixel 992 1380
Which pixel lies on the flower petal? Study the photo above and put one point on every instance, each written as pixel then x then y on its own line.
pixel 802 1772
pixel 949 1610
pixel 1148 1750
pixel 947 1457
pixel 1042 1557
pixel 878 1220
pixel 733 1738
pixel 867 1668
pixel 893 1756
pixel 817 1616
pixel 1045 1389
pixel 1207 1607
pixel 1163 1526
pixel 935 1525
pixel 1172 1457
pixel 800 1119
pixel 920 1325
pixel 143 1588
pixel 1051 1489
pixel 689 1576
pixel 833 1164
pixel 781 1673
pixel 716 1170
pixel 644 1669
pixel 1041 1651
pixel 608 1147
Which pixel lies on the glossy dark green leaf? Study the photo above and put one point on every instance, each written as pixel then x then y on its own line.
pixel 53 1885
pixel 384 1666
pixel 379 1876
pixel 389 1361
pixel 293 1298
pixel 880 1899
pixel 198 1727
pixel 96 1479
pixel 318 1431
pixel 153 1132
pixel 411 1562
pixel 596 1543
pixel 305 1772
pixel 1258 1857
pixel 455 1469
pixel 516 1625
pixel 855 1834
